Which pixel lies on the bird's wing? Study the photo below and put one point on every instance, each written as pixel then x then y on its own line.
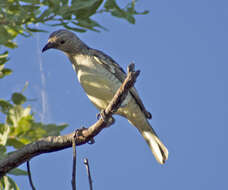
pixel 119 73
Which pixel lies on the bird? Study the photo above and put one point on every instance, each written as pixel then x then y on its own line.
pixel 100 76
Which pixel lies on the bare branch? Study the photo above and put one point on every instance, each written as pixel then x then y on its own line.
pixel 73 181
pixel 29 175
pixel 56 143
pixel 86 162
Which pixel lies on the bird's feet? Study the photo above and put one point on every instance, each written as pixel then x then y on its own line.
pixel 79 132
pixel 91 141
pixel 103 116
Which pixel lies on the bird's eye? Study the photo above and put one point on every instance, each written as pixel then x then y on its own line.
pixel 62 42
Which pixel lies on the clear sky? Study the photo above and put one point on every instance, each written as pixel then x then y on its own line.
pixel 181 49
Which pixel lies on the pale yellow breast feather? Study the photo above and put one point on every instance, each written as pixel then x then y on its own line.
pixel 100 85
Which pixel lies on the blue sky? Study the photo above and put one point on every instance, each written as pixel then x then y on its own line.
pixel 181 49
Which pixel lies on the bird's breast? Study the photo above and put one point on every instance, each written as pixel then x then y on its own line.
pixel 99 84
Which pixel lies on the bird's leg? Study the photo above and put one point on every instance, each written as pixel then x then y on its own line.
pixel 91 141
pixel 79 132
pixel 103 116
pixel 131 68
pixel 98 115
pixel 111 121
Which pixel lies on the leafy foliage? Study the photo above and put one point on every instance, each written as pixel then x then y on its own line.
pixel 7 183
pixel 18 172
pixel 127 13
pixel 3 59
pixel 20 127
pixel 20 16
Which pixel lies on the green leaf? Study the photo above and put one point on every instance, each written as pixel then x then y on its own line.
pixel 84 9
pixel 44 15
pixel 89 24
pixel 5 106
pixel 35 29
pixel 25 130
pixel 143 13
pixel 127 13
pixel 4 72
pixel 13 185
pixel 73 28
pixel 18 172
pixel 16 114
pixel 3 59
pixel 25 86
pixel 7 183
pixel 4 55
pixel 2 151
pixel 11 44
pixel 18 15
pixel 22 124
pixel 31 1
pixel 18 98
pixel 53 129
pixel 17 144
pixel 7 36
pixel 81 4
pixel 4 131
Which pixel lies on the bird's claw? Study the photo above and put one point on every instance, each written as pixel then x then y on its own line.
pixel 98 115
pixel 111 121
pixel 103 116
pixel 78 132
pixel 91 141
pixel 131 68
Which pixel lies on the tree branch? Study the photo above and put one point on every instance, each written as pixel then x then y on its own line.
pixel 56 143
pixel 30 175
pixel 73 181
pixel 86 162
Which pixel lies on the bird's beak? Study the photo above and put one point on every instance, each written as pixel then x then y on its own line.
pixel 49 45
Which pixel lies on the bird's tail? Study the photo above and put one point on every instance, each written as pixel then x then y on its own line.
pixel 157 147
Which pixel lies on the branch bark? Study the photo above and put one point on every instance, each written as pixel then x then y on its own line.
pixel 73 181
pixel 86 162
pixel 30 176
pixel 57 143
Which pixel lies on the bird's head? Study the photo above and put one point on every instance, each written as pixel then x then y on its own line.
pixel 65 41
